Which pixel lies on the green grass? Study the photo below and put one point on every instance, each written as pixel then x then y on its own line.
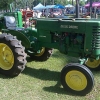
pixel 41 81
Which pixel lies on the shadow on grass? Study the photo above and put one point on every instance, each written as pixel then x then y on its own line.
pixel 58 89
pixel 68 59
pixel 5 77
pixel 44 74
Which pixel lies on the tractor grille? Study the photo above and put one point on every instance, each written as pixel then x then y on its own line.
pixel 96 37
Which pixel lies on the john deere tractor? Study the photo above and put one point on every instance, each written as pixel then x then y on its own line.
pixel 73 37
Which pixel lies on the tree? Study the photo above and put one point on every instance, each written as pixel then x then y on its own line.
pixel 4 4
pixel 30 3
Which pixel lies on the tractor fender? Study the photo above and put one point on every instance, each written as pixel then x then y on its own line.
pixel 20 36
pixel 33 31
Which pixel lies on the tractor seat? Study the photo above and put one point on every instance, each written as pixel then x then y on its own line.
pixel 10 23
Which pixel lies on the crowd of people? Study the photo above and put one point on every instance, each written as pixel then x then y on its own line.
pixel 54 12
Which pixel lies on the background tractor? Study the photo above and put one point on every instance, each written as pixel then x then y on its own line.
pixel 73 37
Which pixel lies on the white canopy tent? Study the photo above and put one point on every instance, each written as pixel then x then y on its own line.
pixel 49 6
pixel 69 6
pixel 39 7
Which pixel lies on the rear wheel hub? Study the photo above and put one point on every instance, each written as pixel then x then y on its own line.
pixel 6 57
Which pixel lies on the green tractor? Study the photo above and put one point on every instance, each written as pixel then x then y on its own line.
pixel 73 37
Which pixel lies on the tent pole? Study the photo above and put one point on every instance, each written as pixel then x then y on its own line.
pixel 77 8
pixel 91 8
pixel 72 2
pixel 53 2
pixel 44 2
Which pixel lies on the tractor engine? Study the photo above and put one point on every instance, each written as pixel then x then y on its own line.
pixel 69 40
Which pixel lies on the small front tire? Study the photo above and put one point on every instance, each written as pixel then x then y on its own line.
pixel 92 64
pixel 77 79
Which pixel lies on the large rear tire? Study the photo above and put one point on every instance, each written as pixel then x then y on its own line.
pixel 44 54
pixel 77 79
pixel 12 55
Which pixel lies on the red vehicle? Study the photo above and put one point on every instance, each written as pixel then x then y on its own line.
pixel 27 14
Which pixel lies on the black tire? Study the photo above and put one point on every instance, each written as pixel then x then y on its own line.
pixel 93 64
pixel 77 79
pixel 47 52
pixel 13 57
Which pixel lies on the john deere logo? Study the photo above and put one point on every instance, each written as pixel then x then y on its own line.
pixel 69 26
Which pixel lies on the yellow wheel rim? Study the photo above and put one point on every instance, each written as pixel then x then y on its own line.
pixel 6 57
pixel 92 63
pixel 76 80
pixel 41 52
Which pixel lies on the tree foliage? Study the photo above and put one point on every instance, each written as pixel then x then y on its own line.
pixel 31 3
pixel 4 4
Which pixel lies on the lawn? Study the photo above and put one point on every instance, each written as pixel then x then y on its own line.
pixel 41 81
